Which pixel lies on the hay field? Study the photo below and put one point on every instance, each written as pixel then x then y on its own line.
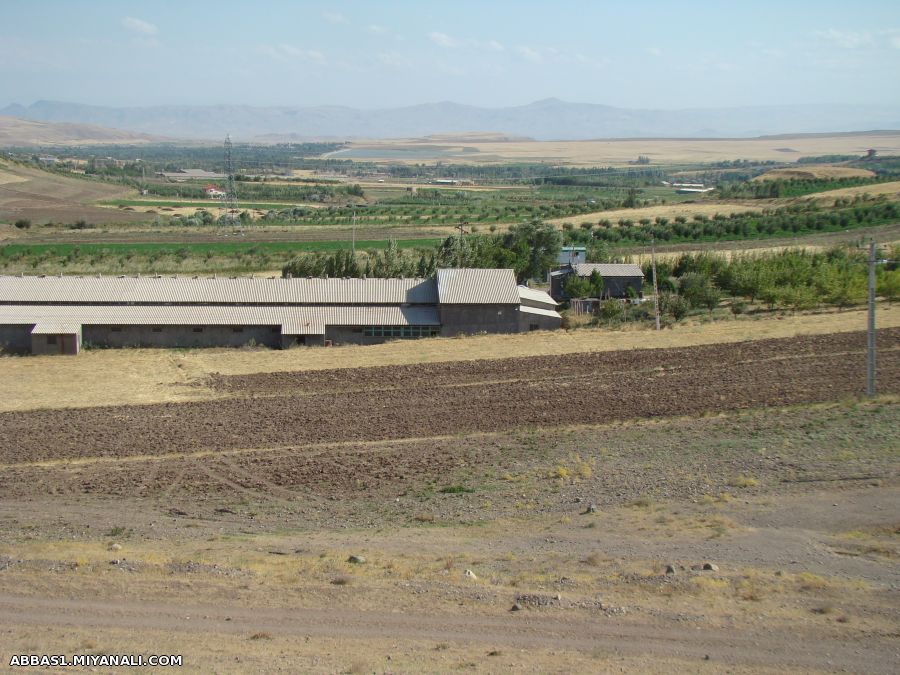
pixel 138 376
pixel 891 190
pixel 670 211
pixel 613 152
pixel 811 172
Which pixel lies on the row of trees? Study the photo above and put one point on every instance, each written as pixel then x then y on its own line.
pixel 530 249
pixel 786 221
pixel 773 189
pixel 792 279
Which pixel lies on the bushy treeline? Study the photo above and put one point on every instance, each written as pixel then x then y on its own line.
pixel 171 157
pixel 529 249
pixel 786 221
pixel 262 191
pixel 794 187
pixel 793 279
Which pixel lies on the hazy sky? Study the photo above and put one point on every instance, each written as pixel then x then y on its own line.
pixel 384 53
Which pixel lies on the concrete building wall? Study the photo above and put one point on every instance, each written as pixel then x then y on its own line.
pixel 613 287
pixel 470 319
pixel 529 322
pixel 617 287
pixel 49 344
pixel 288 341
pixel 348 335
pixel 15 338
pixel 180 336
pixel 343 335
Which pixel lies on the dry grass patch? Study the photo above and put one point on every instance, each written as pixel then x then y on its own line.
pixel 670 211
pixel 622 152
pixel 814 171
pixel 742 481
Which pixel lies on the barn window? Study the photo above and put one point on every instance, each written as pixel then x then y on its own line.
pixel 400 331
pixel 157 329
pixel 237 329
pixel 116 329
pixel 198 329
pixel 533 326
pixel 51 339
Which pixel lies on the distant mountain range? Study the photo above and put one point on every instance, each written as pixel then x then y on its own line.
pixel 543 120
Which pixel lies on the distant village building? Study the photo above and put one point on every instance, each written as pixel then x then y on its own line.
pixel 451 181
pixel 213 192
pixel 189 174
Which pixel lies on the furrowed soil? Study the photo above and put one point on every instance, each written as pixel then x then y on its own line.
pixel 41 196
pixel 462 397
pixel 566 484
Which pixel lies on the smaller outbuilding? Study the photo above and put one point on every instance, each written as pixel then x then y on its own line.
pixel 52 337
pixel 617 279
pixel 571 255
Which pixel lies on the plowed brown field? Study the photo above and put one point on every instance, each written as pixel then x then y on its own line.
pixel 285 409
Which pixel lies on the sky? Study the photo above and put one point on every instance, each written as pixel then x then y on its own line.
pixel 385 53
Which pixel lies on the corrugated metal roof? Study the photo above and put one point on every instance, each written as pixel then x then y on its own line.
pixel 533 298
pixel 608 270
pixel 56 328
pixel 205 290
pixel 295 320
pixel 477 287
pixel 539 311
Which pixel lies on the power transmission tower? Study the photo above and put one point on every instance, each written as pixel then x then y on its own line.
pixel 231 215
pixel 870 365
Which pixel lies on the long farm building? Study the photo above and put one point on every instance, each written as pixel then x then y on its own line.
pixel 60 315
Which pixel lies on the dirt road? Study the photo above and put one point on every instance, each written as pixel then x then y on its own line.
pixel 519 630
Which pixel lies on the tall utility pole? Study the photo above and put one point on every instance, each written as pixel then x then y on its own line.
pixel 459 243
pixel 354 234
pixel 655 284
pixel 870 370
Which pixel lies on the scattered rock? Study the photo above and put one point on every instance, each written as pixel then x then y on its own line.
pixel 577 500
pixel 670 570
pixel 516 607
pixel 356 560
pixel 115 547
pixel 470 574
pixel 592 508
pixel 538 600
pixel 710 567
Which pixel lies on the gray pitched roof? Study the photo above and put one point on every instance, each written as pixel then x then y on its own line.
pixel 608 269
pixel 185 290
pixel 469 286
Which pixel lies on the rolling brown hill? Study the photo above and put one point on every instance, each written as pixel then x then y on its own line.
pixel 19 132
